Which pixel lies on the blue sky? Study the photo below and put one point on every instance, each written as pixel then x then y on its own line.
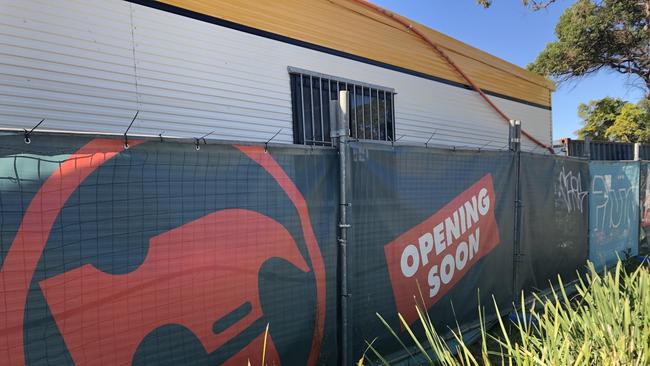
pixel 516 34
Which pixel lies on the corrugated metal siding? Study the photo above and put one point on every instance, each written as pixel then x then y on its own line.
pixel 210 78
pixel 604 150
pixel 72 62
pixel 347 26
pixel 67 61
pixel 644 152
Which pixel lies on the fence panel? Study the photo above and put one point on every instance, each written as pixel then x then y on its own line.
pixel 644 201
pixel 555 217
pixel 167 254
pixel 602 150
pixel 163 254
pixel 438 219
pixel 613 211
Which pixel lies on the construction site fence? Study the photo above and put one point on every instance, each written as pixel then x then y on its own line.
pixel 150 252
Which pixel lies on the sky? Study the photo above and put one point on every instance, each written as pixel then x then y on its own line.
pixel 510 31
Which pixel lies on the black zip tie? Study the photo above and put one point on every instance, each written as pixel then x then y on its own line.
pixel 197 140
pixel 126 138
pixel 27 134
pixel 266 144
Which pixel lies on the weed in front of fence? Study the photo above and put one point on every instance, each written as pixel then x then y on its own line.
pixel 606 322
pixel 266 336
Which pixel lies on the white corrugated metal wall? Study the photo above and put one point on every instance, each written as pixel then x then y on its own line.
pixel 89 65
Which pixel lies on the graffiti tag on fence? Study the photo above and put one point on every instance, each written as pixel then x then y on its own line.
pixel 613 211
pixel 615 207
pixel 569 190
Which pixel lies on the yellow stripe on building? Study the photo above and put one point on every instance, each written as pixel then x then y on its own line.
pixel 349 27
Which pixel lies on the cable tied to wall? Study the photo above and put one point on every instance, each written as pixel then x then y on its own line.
pixel 447 59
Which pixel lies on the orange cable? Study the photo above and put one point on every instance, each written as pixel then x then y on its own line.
pixel 442 54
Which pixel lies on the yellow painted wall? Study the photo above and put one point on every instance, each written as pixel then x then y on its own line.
pixel 349 27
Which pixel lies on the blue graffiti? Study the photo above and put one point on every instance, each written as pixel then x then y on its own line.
pixel 613 211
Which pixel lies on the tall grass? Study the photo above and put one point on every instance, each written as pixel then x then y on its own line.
pixel 606 322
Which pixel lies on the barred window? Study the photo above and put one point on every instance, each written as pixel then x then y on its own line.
pixel 372 109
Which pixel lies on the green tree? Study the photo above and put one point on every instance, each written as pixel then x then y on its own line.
pixel 598 116
pixel 535 4
pixel 631 125
pixel 594 35
pixel 597 34
pixel 612 119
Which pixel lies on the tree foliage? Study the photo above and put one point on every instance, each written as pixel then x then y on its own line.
pixel 630 126
pixel 535 4
pixel 597 34
pixel 615 120
pixel 594 35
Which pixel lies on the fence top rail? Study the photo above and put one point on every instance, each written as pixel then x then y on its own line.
pixel 214 140
pixel 557 156
pixel 202 141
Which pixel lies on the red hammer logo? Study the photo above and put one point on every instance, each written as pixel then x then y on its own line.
pixel 193 275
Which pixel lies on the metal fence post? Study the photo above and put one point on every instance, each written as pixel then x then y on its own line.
pixel 637 151
pixel 342 133
pixel 334 122
pixel 587 148
pixel 515 146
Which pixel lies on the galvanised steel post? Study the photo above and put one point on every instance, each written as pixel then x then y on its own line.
pixel 342 133
pixel 515 146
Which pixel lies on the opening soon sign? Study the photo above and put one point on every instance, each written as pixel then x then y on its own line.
pixel 439 251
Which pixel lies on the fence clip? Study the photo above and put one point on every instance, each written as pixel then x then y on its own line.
pixel 266 144
pixel 202 138
pixel 28 133
pixel 126 137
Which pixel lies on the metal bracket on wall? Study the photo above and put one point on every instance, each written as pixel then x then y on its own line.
pixel 28 133
pixel 126 138
pixel 197 140
pixel 266 144
pixel 426 144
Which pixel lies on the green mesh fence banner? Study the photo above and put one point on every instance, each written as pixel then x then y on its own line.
pixel 163 254
pixel 555 220
pixel 169 254
pixel 644 225
pixel 613 211
pixel 430 227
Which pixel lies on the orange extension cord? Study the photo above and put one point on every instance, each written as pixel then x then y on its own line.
pixel 442 54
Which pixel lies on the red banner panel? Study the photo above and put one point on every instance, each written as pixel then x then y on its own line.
pixel 438 252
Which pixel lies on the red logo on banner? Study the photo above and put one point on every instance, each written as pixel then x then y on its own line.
pixel 193 275
pixel 439 251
